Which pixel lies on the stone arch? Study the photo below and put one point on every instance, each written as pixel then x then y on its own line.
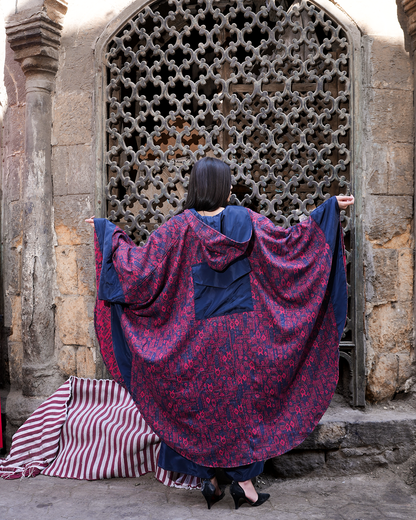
pixel 143 188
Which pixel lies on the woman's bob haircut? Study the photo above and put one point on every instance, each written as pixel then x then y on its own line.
pixel 209 185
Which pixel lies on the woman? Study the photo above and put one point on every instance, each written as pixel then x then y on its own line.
pixel 225 329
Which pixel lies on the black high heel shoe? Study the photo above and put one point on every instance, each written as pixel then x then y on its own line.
pixel 208 490
pixel 237 492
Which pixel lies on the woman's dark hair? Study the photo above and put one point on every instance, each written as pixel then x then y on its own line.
pixel 209 185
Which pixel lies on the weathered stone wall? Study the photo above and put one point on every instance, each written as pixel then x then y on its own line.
pixel 74 179
pixel 388 191
pixel 383 183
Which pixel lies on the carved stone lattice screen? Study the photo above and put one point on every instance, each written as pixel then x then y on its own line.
pixel 265 86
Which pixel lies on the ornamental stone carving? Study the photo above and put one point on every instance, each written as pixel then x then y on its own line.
pixel 35 42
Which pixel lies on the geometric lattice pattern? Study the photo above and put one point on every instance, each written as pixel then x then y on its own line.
pixel 263 85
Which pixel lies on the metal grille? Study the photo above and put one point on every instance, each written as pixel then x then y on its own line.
pixel 264 86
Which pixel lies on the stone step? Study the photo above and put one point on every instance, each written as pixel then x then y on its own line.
pixel 348 441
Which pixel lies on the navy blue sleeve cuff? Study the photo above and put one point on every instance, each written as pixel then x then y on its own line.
pixel 327 218
pixel 110 288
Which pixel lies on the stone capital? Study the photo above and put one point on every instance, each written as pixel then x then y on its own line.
pixel 35 40
pixel 409 7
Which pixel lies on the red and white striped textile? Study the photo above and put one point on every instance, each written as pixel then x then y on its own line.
pixel 88 430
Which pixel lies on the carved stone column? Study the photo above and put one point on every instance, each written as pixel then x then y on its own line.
pixel 35 42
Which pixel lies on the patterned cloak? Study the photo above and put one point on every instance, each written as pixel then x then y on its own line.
pixel 228 343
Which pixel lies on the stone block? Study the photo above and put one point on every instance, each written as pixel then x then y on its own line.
pixel 402 241
pixel 72 116
pixel 376 162
pixel 73 171
pixel 390 328
pixel 382 382
pixel 70 214
pixel 86 270
pixel 67 360
pixel 387 218
pixel 406 369
pixel 405 275
pixel 384 281
pixel 12 182
pixel 390 115
pixel 400 169
pixel 325 436
pixel 85 362
pixel 297 463
pixel 66 269
pixel 390 65
pixel 378 435
pixel 390 169
pixel 60 167
pixel 77 62
pixel 343 462
pixel 359 452
pixel 73 320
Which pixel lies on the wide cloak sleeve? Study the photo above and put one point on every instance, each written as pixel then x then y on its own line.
pixel 327 218
pixel 123 275
pixel 306 259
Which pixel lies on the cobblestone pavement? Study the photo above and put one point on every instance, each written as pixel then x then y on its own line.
pixel 365 497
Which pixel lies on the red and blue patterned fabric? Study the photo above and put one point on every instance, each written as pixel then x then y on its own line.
pixel 228 343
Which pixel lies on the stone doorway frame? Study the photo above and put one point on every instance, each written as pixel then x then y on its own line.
pixel 353 354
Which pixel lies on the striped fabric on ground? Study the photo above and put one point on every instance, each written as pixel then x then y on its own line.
pixel 89 429
pixel 36 442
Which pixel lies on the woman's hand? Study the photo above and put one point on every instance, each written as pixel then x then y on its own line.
pixel 90 220
pixel 344 201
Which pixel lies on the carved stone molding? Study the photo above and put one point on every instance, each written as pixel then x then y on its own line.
pixel 35 42
pixel 409 7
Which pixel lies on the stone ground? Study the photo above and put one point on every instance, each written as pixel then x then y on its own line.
pixel 380 495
